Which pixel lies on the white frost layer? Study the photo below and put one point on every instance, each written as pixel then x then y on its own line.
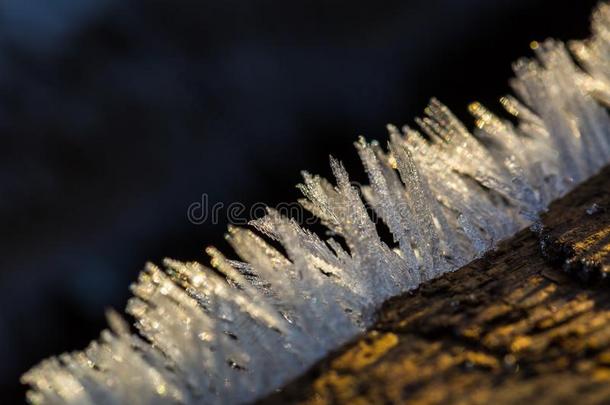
pixel 236 332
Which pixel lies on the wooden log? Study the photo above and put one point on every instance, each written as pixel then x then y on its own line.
pixel 530 321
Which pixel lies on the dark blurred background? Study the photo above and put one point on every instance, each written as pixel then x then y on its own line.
pixel 116 115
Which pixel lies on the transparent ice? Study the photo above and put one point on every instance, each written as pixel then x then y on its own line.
pixel 237 330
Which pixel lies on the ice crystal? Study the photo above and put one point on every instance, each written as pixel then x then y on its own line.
pixel 238 330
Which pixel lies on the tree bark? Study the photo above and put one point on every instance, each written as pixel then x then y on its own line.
pixel 530 321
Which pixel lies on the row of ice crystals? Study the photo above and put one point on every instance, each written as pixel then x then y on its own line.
pixel 235 332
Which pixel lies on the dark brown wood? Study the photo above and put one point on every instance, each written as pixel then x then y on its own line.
pixel 529 322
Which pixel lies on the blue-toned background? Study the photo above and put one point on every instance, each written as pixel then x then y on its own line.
pixel 115 115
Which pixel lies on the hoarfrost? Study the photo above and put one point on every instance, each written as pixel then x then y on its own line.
pixel 238 330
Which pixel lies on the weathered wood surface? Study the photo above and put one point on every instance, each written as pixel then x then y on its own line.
pixel 529 322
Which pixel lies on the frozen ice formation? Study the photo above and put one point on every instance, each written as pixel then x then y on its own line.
pixel 240 329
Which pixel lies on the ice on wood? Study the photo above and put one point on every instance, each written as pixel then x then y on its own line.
pixel 237 330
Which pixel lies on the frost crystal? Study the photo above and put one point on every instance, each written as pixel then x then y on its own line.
pixel 236 332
